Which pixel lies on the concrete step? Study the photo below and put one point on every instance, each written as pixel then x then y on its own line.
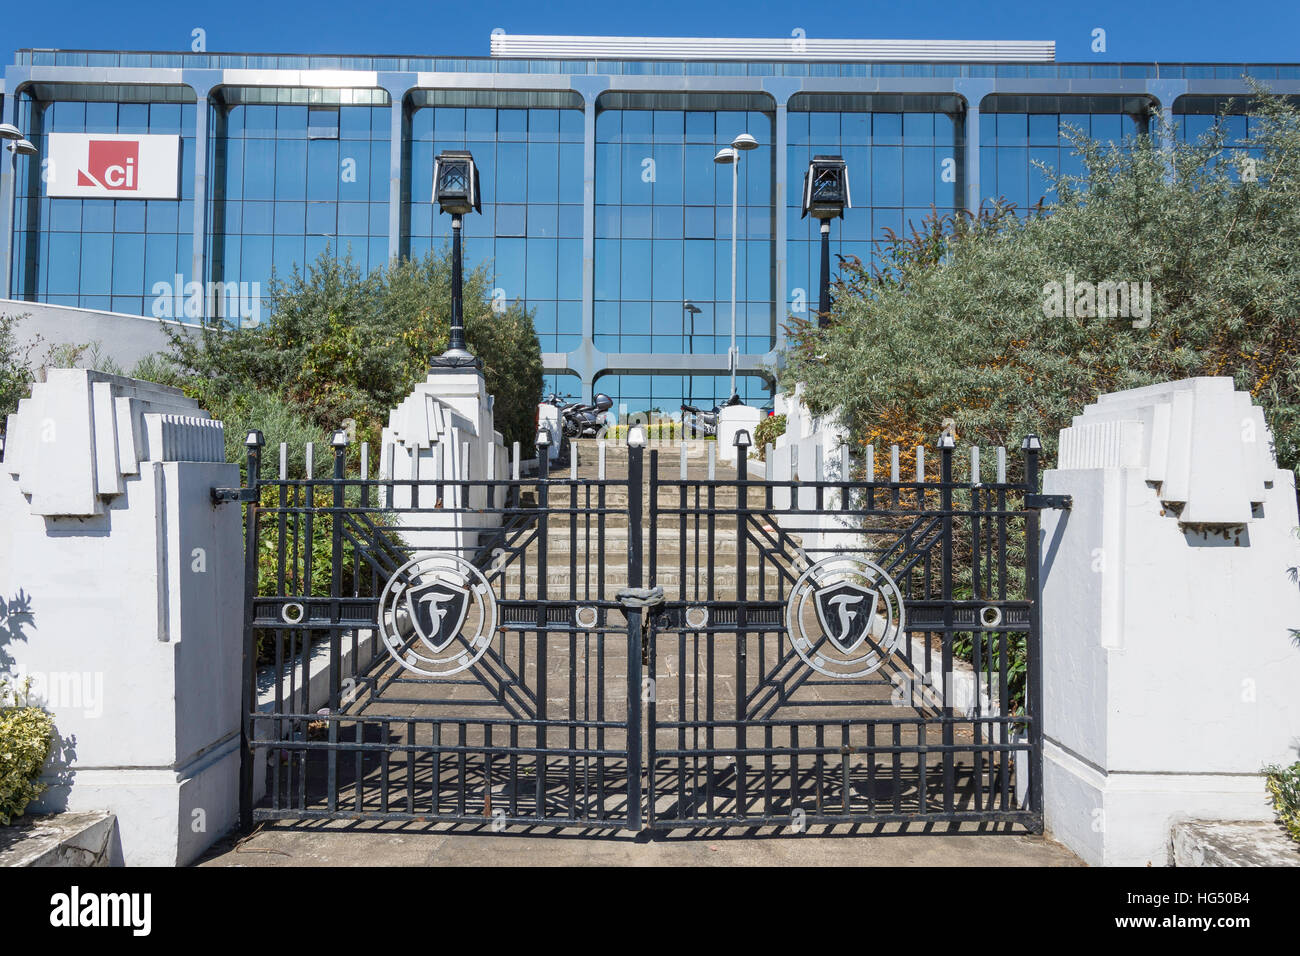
pixel 587 449
pixel 562 523
pixel 560 578
pixel 669 496
pixel 668 539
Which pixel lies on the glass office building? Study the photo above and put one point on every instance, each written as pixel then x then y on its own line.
pixel 603 209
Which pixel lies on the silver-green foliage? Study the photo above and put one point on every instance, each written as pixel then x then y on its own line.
pixel 954 325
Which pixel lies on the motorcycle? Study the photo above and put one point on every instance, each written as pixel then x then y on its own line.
pixel 569 420
pixel 706 423
pixel 585 421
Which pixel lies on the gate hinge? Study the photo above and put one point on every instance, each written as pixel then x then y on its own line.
pixel 1057 502
pixel 221 495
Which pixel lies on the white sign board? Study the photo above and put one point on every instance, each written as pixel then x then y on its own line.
pixel 113 166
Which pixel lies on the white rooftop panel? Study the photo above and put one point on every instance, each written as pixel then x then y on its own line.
pixel 781 48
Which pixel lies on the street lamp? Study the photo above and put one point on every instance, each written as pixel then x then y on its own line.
pixel 730 155
pixel 455 186
pixel 691 309
pixel 17 146
pixel 826 196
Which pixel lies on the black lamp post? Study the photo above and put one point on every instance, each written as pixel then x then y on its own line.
pixel 691 309
pixel 455 186
pixel 826 196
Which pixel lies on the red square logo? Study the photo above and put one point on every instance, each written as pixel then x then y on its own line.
pixel 112 164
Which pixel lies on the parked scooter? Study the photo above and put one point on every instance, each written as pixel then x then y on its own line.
pixel 706 423
pixel 585 421
pixel 568 420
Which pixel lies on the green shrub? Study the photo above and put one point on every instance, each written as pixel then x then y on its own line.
pixel 339 344
pixel 657 431
pixel 89 355
pixel 768 431
pixel 16 371
pixel 1283 785
pixel 157 367
pixel 954 322
pixel 26 739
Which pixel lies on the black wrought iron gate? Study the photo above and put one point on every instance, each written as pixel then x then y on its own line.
pixel 832 649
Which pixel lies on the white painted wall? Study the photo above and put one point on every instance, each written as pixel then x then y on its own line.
pixel 133 581
pixel 1170 678
pixel 124 338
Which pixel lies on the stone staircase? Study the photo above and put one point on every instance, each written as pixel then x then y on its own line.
pixel 584 516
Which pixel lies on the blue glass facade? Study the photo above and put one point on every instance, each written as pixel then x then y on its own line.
pixel 665 394
pixel 1195 117
pixel 603 210
pixel 663 229
pixel 528 148
pixel 102 253
pixel 296 171
pixel 904 158
pixel 1021 132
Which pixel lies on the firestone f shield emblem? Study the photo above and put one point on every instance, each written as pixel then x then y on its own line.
pixel 437 615
pixel 845 610
pixel 845 617
pixel 438 611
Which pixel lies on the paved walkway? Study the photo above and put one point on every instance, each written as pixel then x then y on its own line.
pixel 373 844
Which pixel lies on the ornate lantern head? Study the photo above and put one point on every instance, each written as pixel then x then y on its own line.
pixel 455 182
pixel 826 188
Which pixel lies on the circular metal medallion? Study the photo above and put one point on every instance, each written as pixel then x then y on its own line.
pixel 845 617
pixel 437 614
pixel 586 617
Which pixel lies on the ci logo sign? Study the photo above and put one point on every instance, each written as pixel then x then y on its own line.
pixel 845 617
pixel 111 164
pixel 437 615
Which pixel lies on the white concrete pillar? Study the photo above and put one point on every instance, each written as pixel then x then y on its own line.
pixel 1169 671
pixel 443 430
pixel 731 419
pixel 129 582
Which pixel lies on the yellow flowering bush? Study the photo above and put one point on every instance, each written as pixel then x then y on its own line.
pixel 26 739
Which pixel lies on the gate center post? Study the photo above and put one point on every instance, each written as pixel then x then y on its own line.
pixel 635 632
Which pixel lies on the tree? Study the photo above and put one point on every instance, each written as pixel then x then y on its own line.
pixel 341 345
pixel 967 318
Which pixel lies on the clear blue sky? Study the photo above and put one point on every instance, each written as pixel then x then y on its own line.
pixel 1258 31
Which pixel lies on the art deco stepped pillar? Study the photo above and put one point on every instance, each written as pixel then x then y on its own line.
pixel 1169 670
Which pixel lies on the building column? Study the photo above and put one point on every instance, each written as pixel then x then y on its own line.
pixel 397 86
pixel 780 293
pixel 590 87
pixel 971 159
pixel 202 85
pixel 9 181
pixel 1165 92
pixel 780 89
pixel 973 92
